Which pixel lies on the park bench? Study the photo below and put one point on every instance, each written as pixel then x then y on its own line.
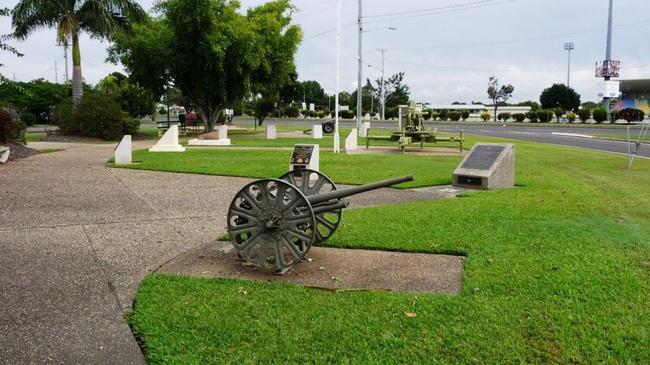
pixel 4 154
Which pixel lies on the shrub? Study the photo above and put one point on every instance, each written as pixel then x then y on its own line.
pixel 503 116
pixel 443 114
pixel 12 129
pixel 304 112
pixel 434 115
pixel 320 114
pixel 64 117
pixel 545 115
pixel 584 114
pixel 426 114
pixel 454 116
pixel 292 112
pixel 486 116
pixel 464 115
pixel 599 115
pixel 571 116
pixel 559 112
pixel 631 115
pixel 28 118
pixel 519 117
pixel 532 116
pixel 99 116
pixel 130 125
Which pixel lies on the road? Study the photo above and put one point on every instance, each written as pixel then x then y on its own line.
pixel 532 133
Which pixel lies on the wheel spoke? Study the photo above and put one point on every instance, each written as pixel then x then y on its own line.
pixel 298 234
pixel 297 255
pixel 248 244
pixel 249 198
pixel 325 222
pixel 243 229
pixel 240 212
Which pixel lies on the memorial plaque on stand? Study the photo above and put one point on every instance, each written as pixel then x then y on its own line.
pixel 305 156
pixel 487 166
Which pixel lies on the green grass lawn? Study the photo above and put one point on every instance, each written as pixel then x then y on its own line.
pixel 634 136
pixel 557 271
pixel 35 136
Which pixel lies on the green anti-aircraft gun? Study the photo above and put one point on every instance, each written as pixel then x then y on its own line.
pixel 414 131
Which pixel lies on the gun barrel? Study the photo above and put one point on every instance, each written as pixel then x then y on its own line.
pixel 339 194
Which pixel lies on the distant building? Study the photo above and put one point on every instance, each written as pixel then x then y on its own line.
pixel 635 94
pixel 475 110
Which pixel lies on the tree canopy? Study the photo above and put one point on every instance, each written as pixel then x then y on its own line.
pixel 70 18
pixel 213 54
pixel 560 96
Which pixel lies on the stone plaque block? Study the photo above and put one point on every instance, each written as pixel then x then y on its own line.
pixel 123 151
pixel 487 166
pixel 271 132
pixel 317 131
pixel 351 142
pixel 168 142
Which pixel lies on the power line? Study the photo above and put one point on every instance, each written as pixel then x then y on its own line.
pixel 447 7
pixel 525 39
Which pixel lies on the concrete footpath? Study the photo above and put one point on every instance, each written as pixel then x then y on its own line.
pixel 76 238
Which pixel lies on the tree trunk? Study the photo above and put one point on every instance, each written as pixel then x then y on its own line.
pixel 495 111
pixel 77 80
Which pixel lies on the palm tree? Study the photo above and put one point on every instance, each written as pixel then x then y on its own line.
pixel 100 18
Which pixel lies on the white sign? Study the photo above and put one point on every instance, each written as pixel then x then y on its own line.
pixel 609 89
pixel 271 132
pixel 312 107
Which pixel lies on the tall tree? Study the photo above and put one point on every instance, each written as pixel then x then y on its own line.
pixel 100 18
pixel 275 43
pixel 396 92
pixel 213 54
pixel 560 96
pixel 4 46
pixel 498 94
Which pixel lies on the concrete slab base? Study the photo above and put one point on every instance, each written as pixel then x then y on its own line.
pixel 332 268
pixel 209 142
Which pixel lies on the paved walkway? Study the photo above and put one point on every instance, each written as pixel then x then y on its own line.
pixel 76 238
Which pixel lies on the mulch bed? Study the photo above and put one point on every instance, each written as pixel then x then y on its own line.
pixel 56 137
pixel 18 151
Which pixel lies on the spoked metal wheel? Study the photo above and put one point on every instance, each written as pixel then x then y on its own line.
pixel 271 224
pixel 311 182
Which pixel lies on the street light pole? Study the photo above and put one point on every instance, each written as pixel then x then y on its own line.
pixel 568 47
pixel 338 61
pixel 383 88
pixel 359 66
pixel 167 92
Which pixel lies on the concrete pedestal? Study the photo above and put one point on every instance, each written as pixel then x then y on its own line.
pixel 271 132
pixel 363 131
pixel 351 143
pixel 317 131
pixel 123 151
pixel 168 142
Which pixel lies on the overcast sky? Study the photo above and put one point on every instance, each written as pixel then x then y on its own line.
pixel 447 48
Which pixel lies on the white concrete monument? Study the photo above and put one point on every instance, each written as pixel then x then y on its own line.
pixel 4 154
pixel 363 131
pixel 123 151
pixel 351 143
pixel 219 138
pixel 168 142
pixel 317 131
pixel 271 131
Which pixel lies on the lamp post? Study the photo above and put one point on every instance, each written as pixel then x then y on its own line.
pixel 568 47
pixel 167 92
pixel 338 61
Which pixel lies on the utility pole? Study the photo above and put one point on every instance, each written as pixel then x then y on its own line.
pixel 337 141
pixel 360 67
pixel 65 56
pixel 383 88
pixel 609 68
pixel 568 47
pixel 56 73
